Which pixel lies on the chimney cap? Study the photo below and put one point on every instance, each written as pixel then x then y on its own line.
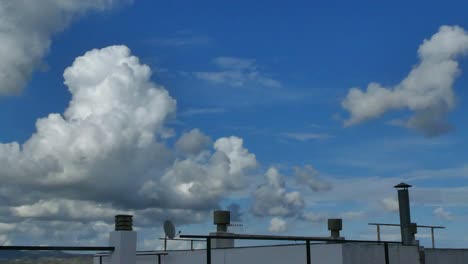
pixel 402 185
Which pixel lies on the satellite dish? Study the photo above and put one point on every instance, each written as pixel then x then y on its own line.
pixel 169 229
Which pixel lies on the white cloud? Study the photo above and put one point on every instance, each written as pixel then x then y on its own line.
pixel 201 181
pixel 66 210
pixel 273 199
pixel 237 72
pixel 427 90
pixel 108 154
pixel 441 213
pixel 240 158
pixel 390 204
pixel 26 28
pixel 277 225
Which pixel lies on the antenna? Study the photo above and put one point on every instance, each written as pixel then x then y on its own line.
pixel 169 229
pixel 236 228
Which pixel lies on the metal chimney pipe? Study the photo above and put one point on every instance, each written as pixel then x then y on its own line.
pixel 407 235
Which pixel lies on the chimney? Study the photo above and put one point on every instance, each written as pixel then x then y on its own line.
pixel 407 228
pixel 123 239
pixel 221 219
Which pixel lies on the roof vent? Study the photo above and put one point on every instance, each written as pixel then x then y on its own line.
pixel 123 222
pixel 335 225
pixel 221 219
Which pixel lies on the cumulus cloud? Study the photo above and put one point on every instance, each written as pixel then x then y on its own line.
pixel 427 91
pixel 199 182
pixel 273 199
pixel 192 142
pixel 309 176
pixel 315 217
pixel 239 157
pixel 277 225
pixel 26 28
pixel 237 72
pixel 108 154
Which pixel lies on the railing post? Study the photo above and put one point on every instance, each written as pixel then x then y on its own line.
pixel 387 261
pixel 378 232
pixel 308 251
pixel 432 236
pixel 208 250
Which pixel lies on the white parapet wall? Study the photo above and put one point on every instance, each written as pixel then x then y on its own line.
pixel 358 253
pixel 290 254
pixel 446 256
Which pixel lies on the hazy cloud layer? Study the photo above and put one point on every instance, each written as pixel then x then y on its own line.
pixel 306 136
pixel 309 177
pixel 427 91
pixel 237 72
pixel 441 213
pixel 26 28
pixel 390 204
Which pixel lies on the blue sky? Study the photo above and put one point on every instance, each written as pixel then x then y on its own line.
pixel 276 76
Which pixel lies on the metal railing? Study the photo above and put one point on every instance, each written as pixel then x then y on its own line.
pixel 58 248
pixel 307 241
pixel 422 226
pixel 179 239
pixel 158 254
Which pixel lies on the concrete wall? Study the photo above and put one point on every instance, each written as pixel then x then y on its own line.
pixel 290 254
pixel 446 256
pixel 274 254
pixel 371 254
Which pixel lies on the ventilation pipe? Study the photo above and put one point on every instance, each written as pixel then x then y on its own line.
pixel 335 225
pixel 221 219
pixel 407 228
